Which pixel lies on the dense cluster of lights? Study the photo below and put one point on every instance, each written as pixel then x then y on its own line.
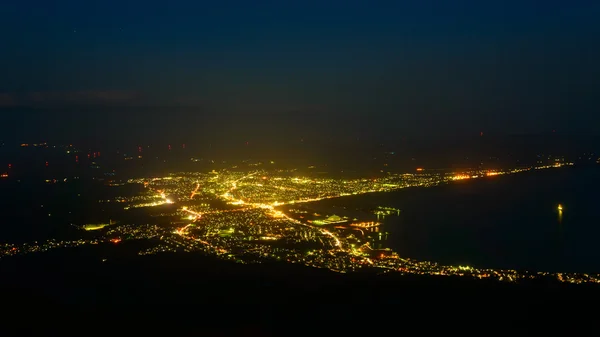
pixel 237 216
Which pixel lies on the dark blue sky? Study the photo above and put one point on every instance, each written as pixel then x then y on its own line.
pixel 412 66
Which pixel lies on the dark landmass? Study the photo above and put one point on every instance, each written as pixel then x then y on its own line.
pixel 74 293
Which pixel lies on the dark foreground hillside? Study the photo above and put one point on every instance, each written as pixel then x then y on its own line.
pixel 191 295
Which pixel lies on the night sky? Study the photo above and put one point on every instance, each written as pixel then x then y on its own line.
pixel 258 69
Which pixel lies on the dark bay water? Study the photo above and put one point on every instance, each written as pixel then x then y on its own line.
pixel 499 222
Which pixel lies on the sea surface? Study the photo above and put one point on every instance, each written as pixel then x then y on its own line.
pixel 510 222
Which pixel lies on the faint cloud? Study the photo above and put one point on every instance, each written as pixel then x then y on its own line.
pixel 7 100
pixel 74 97
pixel 190 101
pixel 278 108
pixel 84 97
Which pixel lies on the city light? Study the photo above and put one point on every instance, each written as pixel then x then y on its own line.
pixel 264 208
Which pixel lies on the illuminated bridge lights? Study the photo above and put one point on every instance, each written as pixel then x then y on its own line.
pixel 366 224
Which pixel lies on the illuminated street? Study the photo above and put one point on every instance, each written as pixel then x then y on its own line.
pixel 246 217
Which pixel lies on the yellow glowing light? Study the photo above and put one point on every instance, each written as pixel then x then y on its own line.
pixel 560 208
pixel 93 227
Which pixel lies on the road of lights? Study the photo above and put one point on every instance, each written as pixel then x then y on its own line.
pixel 270 210
pixel 253 228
